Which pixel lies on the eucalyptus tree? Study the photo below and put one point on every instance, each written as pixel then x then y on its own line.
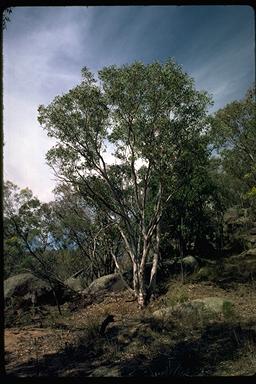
pixel 24 217
pixel 189 216
pixel 80 228
pixel 14 250
pixel 144 114
pixel 234 137
pixel 26 228
pixel 55 238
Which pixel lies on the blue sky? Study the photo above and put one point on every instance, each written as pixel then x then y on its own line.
pixel 44 49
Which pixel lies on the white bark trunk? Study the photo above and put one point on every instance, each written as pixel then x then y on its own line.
pixel 152 282
pixel 142 290
pixel 136 284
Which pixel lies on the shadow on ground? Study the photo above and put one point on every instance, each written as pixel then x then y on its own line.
pixel 195 356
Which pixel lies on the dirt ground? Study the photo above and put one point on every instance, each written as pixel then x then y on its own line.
pixel 48 346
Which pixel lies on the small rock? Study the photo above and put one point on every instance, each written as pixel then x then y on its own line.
pixel 190 263
pixel 106 372
pixel 75 283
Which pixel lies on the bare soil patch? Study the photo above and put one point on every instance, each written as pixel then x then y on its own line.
pixel 71 346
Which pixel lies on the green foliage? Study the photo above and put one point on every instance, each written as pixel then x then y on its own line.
pixel 176 295
pixel 92 330
pixel 228 310
pixel 163 171
pixel 190 216
pixel 153 118
pixel 233 134
pixel 209 273
pixel 132 110
pixel 56 238
pixel 251 194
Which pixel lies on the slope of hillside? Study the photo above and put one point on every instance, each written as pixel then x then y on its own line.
pixel 136 343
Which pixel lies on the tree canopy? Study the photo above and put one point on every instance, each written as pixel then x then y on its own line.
pixel 145 174
pixel 233 133
pixel 148 115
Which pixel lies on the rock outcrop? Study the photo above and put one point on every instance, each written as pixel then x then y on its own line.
pixel 198 307
pixel 27 289
pixel 110 283
pixel 190 263
pixel 75 283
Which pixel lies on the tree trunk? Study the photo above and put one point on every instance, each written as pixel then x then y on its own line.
pixel 135 278
pixel 142 294
pixel 220 247
pixel 152 282
pixel 139 284
pixel 142 298
pixel 181 246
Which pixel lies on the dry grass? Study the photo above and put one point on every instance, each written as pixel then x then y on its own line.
pixel 134 337
pixel 243 365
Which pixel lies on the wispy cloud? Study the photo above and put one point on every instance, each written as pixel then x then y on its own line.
pixel 46 47
pixel 227 76
pixel 34 73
